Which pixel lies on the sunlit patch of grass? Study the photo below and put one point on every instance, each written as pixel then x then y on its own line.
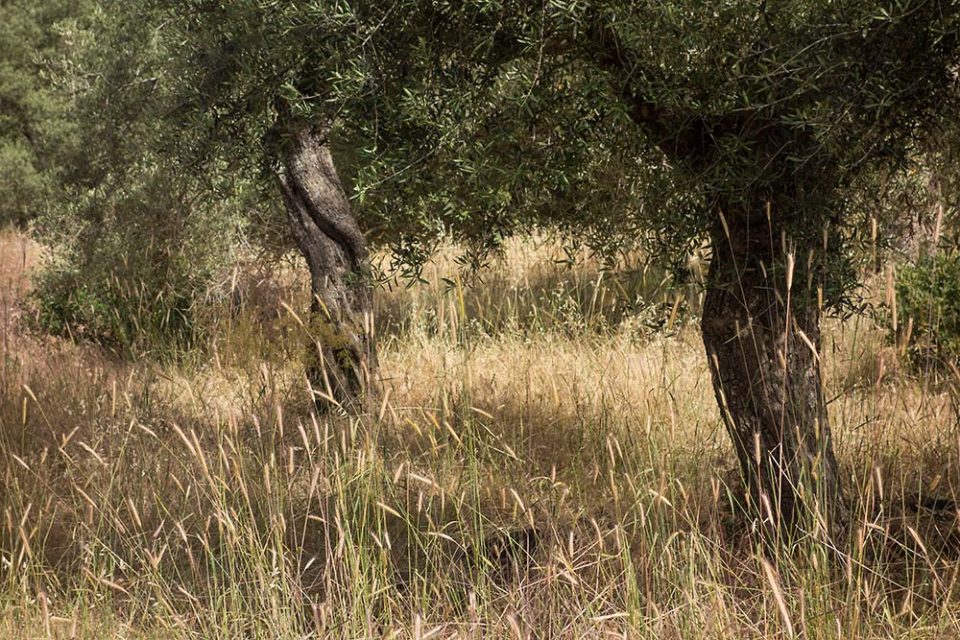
pixel 561 477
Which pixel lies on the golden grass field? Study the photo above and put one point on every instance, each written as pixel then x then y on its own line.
pixel 543 463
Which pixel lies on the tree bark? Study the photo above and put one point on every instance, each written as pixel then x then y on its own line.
pixel 762 339
pixel 343 365
pixel 761 331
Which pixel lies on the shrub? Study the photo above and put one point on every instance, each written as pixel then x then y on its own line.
pixel 127 315
pixel 928 298
pixel 132 270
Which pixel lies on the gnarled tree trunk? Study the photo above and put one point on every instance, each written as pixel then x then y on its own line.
pixel 762 338
pixel 343 367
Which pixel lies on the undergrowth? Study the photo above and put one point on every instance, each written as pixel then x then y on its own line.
pixel 542 464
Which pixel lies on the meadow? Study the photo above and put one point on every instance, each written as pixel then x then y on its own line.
pixel 546 460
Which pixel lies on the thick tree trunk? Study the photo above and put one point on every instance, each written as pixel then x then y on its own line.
pixel 343 366
pixel 762 339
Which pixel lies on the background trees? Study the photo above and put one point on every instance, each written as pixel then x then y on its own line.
pixel 35 133
pixel 136 239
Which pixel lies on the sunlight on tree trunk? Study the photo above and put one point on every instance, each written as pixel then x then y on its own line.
pixel 343 365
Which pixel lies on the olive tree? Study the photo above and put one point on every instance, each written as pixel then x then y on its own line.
pixel 740 122
pixel 405 96
pixel 775 109
pixel 256 88
pixel 767 114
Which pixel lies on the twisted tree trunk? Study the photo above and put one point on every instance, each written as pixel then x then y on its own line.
pixel 761 331
pixel 343 365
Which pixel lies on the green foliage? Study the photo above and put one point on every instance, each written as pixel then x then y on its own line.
pixel 35 130
pixel 124 316
pixel 928 305
pixel 136 279
pixel 614 121
pixel 23 186
pixel 136 241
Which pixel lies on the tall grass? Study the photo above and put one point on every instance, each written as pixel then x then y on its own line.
pixel 543 464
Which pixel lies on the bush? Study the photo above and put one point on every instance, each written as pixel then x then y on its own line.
pixel 132 270
pixel 129 316
pixel 928 298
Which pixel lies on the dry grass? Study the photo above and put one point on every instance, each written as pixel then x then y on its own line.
pixel 544 464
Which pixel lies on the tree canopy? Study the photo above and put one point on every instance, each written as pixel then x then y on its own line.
pixel 617 119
